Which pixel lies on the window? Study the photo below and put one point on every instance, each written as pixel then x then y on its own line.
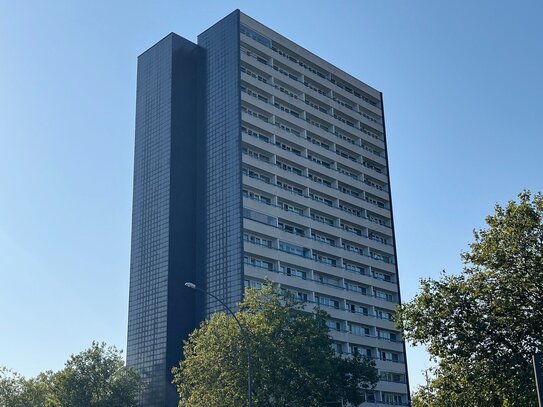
pixel 377 219
pixel 323 279
pixel 357 309
pixel 288 129
pixel 373 184
pixel 324 259
pixel 392 377
pixel 355 287
pixel 370 133
pixel 286 91
pixel 360 350
pixel 354 268
pixel 255 154
pixel 327 302
pixel 260 263
pixel 352 248
pixel 285 72
pixel 287 110
pixel 392 399
pixel 320 180
pixel 350 209
pixel 291 229
pixel 291 208
pixel 253 174
pixel 347 172
pixel 346 154
pixel 349 191
pixel 380 257
pixel 254 94
pixel 370 397
pixel 290 187
pixel 259 217
pixel 389 356
pixel 323 239
pixel 257 240
pixel 375 201
pixel 333 325
pixel 315 105
pixel 289 167
pixel 293 272
pixel 300 296
pixel 382 295
pixel 255 133
pixel 385 315
pixel 292 248
pixel 255 36
pixel 254 114
pixel 254 75
pixel 359 330
pixel 317 142
pixel 320 198
pixel 252 284
pixel 257 196
pixel 255 55
pixel 351 229
pixel 322 219
pixel 390 336
pixel 317 123
pixel 319 160
pixel 286 147
pixel 381 276
pixel 338 347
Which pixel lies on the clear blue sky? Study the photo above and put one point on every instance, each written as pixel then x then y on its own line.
pixel 463 91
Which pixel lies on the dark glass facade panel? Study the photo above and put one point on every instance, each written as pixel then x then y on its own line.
pixel 224 250
pixel 164 235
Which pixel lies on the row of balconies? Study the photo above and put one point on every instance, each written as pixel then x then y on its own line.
pixel 259 146
pixel 356 308
pixel 333 180
pixel 345 239
pixel 355 304
pixel 340 305
pixel 343 153
pixel 267 87
pixel 291 58
pixel 321 118
pixel 342 161
pixel 341 217
pixel 351 198
pixel 336 257
pixel 368 132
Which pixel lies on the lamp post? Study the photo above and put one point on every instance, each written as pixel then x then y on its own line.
pixel 243 334
pixel 538 367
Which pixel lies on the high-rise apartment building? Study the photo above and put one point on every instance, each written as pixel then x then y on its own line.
pixel 255 158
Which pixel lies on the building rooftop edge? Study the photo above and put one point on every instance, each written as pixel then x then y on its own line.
pixel 172 35
pixel 326 63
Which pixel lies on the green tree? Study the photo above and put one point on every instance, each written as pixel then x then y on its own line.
pixel 95 377
pixel 16 391
pixel 293 360
pixel 482 326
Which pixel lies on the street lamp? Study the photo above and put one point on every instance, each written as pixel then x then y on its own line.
pixel 243 334
pixel 538 368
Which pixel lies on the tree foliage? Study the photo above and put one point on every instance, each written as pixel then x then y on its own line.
pixel 16 391
pixel 95 377
pixel 293 360
pixel 482 326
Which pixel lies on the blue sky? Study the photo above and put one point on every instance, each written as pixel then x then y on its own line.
pixel 463 98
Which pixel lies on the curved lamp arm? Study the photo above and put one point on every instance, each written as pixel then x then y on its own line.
pixel 243 334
